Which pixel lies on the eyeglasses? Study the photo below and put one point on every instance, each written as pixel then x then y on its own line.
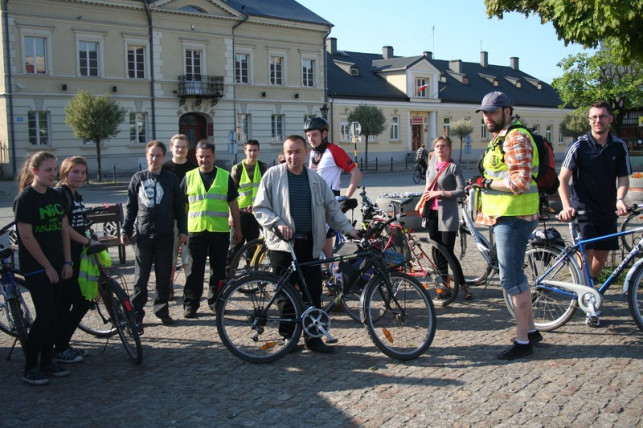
pixel 597 118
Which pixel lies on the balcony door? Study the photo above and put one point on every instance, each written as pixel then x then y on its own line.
pixel 196 129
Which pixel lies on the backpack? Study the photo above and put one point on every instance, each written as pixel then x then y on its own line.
pixel 546 179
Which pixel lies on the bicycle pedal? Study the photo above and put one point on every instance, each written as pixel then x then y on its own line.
pixel 592 321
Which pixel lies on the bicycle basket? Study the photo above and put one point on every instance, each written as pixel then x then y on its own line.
pixel 393 258
pixel 549 235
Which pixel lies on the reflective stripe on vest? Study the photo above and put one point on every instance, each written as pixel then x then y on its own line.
pixel 497 203
pixel 248 189
pixel 207 210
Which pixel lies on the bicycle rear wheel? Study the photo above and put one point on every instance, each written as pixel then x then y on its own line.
pixel 97 321
pixel 553 306
pixel 124 320
pixel 16 314
pixel 252 256
pixel 437 270
pixel 632 221
pixel 400 320
pixel 258 321
pixel 476 269
pixel 417 176
pixel 635 297
pixel 19 323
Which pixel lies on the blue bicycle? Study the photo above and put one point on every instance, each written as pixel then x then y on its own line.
pixel 560 286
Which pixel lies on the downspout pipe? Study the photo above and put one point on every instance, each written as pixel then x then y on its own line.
pixel 234 83
pixel 332 136
pixel 150 30
pixel 9 86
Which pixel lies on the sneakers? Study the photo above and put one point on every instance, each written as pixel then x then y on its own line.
pixel 516 351
pixel 54 370
pixel 167 320
pixel 189 312
pixel 534 337
pixel 34 377
pixel 68 356
pixel 317 345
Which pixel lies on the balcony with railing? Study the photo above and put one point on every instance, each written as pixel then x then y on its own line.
pixel 200 87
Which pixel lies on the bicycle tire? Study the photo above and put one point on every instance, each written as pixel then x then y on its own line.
pixel 417 176
pixel 19 322
pixel 466 250
pixel 444 273
pixel 350 301
pixel 632 221
pixel 403 337
pixel 552 309
pixel 251 256
pixel 7 317
pixel 253 331
pixel 635 297
pixel 98 320
pixel 124 320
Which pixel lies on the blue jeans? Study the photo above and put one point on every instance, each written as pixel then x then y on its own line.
pixel 511 235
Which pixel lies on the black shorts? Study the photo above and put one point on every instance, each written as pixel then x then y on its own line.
pixel 331 233
pixel 593 229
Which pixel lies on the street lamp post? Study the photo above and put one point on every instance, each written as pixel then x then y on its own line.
pixel 324 111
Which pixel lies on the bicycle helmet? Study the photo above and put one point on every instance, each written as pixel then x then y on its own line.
pixel 315 123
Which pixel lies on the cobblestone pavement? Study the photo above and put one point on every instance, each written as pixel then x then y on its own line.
pixel 577 377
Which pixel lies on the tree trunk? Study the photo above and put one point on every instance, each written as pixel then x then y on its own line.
pixel 99 177
pixel 366 153
pixel 460 155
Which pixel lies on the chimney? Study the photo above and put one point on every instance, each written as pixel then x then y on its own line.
pixel 513 63
pixel 484 59
pixel 456 66
pixel 331 45
pixel 428 54
pixel 387 52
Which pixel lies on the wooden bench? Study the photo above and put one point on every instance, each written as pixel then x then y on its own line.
pixel 106 223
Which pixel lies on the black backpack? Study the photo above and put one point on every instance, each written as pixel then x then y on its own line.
pixel 546 179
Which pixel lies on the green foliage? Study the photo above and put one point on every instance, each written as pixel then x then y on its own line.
pixel 587 79
pixel 94 118
pixel 461 128
pixel 575 124
pixel 585 22
pixel 372 121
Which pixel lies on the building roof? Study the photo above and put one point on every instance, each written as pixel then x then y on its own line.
pixel 281 9
pixel 467 86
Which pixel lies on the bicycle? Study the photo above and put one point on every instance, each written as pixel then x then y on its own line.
pixel 112 311
pixel 419 173
pixel 16 307
pixel 395 308
pixel 560 286
pixel 634 220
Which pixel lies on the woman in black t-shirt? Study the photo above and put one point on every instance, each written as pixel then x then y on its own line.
pixel 72 306
pixel 42 234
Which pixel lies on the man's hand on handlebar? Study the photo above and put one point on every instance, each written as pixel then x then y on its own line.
pixel 567 214
pixel 285 232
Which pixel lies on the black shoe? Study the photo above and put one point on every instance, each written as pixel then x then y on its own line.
pixel 189 312
pixel 317 345
pixel 167 320
pixel 534 337
pixel 516 351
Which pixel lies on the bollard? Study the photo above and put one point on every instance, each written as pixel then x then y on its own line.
pixel 114 173
pixel 376 164
pixel 391 163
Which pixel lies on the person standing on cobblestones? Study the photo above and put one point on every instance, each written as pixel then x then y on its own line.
pixel 154 203
pixel 510 206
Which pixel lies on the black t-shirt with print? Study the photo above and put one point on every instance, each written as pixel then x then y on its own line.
pixel 44 212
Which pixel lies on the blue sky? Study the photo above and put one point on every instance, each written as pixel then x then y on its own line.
pixel 462 31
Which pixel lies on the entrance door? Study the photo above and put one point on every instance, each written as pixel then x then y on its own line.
pixel 195 128
pixel 416 137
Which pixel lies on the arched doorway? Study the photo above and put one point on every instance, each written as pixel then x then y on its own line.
pixel 195 127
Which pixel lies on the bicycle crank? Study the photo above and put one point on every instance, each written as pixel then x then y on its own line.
pixel 316 323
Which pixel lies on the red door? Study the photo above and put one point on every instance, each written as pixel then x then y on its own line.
pixel 195 128
pixel 416 136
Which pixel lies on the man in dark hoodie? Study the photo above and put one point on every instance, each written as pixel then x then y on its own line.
pixel 154 203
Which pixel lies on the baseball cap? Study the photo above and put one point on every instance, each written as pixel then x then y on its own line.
pixel 493 101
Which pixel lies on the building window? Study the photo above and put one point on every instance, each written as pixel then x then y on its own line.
pixel 38 128
pixel 344 132
pixel 446 127
pixel 193 64
pixel 421 86
pixel 241 68
pixel 483 129
pixel 88 58
pixel 308 73
pixel 276 70
pixel 136 62
pixel 243 127
pixel 35 54
pixel 561 138
pixel 395 128
pixel 549 133
pixel 277 128
pixel 137 128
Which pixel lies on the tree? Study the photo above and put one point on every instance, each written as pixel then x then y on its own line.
pixel 461 128
pixel 94 118
pixel 585 22
pixel 575 124
pixel 372 121
pixel 587 79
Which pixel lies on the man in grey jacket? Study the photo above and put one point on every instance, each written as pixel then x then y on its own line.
pixel 292 199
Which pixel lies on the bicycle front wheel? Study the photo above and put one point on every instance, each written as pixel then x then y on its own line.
pixel 476 268
pixel 400 318
pixel 417 176
pixel 552 306
pixel 19 322
pixel 635 297
pixel 258 320
pixel 124 320
pixel 97 321
pixel 441 274
pixel 632 221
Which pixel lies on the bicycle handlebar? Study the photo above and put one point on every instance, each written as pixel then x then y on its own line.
pixel 7 227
